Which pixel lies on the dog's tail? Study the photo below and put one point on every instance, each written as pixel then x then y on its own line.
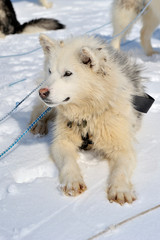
pixel 39 25
pixel 123 12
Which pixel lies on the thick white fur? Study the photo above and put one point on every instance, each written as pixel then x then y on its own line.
pixel 100 93
pixel 124 11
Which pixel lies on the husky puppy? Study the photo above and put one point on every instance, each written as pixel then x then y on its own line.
pixel 46 4
pixel 90 88
pixel 10 25
pixel 124 11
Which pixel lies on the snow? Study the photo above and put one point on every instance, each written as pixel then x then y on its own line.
pixel 31 204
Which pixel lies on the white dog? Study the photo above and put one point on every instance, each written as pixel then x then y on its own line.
pixel 124 11
pixel 91 88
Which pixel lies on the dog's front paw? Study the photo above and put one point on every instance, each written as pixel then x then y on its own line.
pixel 121 195
pixel 40 128
pixel 73 189
pixel 72 185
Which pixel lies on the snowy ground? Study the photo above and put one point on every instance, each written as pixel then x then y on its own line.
pixel 31 206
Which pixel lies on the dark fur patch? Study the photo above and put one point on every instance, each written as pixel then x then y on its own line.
pixel 86 142
pixel 86 60
pixel 69 124
pixel 8 21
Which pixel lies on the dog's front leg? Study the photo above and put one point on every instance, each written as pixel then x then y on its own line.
pixel 120 188
pixel 41 127
pixel 65 156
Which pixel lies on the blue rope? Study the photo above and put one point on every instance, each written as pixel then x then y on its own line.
pixel 93 30
pixel 24 133
pixel 13 83
pixel 21 54
pixel 34 50
pixel 18 81
pixel 19 103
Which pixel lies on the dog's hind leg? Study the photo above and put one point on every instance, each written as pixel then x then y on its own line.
pixel 150 22
pixel 122 15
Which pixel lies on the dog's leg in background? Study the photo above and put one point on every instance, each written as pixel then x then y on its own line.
pixel 41 127
pixel 150 22
pixel 46 4
pixel 65 156
pixel 119 185
pixel 122 14
pixel 2 35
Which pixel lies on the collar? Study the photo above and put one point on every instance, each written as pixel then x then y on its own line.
pixel 143 103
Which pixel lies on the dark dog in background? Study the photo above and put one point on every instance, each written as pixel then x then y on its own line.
pixel 10 25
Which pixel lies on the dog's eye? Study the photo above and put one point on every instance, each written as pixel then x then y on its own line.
pixel 49 70
pixel 67 74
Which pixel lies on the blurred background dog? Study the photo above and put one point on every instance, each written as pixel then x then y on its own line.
pixel 124 11
pixel 10 25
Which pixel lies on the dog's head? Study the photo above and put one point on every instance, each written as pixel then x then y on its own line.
pixel 71 68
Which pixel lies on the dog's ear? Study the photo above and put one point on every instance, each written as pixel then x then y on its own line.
pixel 88 57
pixel 46 43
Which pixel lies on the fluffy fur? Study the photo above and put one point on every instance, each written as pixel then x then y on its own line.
pixel 10 25
pixel 90 87
pixel 124 11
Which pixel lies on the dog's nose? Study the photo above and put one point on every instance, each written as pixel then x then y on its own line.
pixel 44 92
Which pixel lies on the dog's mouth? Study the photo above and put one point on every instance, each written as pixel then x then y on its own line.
pixel 47 101
pixel 50 103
